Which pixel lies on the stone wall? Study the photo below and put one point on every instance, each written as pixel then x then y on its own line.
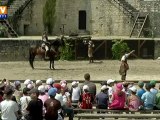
pixel 104 18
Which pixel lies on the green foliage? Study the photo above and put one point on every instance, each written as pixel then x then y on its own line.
pixel 2 31
pixel 118 48
pixel 49 15
pixel 67 51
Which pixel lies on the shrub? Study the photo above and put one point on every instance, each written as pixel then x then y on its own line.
pixel 118 48
pixel 67 51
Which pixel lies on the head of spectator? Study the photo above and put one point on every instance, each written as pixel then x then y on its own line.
pixel 17 85
pixel 64 85
pixel 52 92
pixel 58 87
pixel 8 92
pixel 47 87
pixel 104 83
pixel 87 77
pixel 34 93
pixel 38 83
pixel 104 89
pixel 148 86
pixel 75 84
pixel 41 89
pixel 26 91
pixel 50 81
pixel 119 86
pixel 133 90
pixel 140 84
pixel 110 82
pixel 30 86
pixel 153 83
pixel 85 88
pixel 27 81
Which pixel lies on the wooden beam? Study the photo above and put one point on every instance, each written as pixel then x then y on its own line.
pixel 99 46
pixel 105 49
pixel 142 43
pixel 75 48
pixel 139 48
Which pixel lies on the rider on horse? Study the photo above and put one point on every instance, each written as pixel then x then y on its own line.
pixel 45 44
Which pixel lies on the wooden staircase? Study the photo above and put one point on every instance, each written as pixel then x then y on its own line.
pixel 139 24
pixel 14 11
pixel 10 31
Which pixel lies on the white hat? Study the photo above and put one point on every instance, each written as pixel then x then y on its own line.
pixel 38 82
pixel 109 81
pixel 41 88
pixel 30 86
pixel 27 81
pixel 49 81
pixel 47 87
pixel 74 83
pixel 104 87
pixel 85 87
pixel 133 89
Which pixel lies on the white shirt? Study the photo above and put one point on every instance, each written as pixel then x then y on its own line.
pixel 76 92
pixel 8 109
pixel 124 57
pixel 59 97
pixel 24 103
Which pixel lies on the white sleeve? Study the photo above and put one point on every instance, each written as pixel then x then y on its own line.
pixel 123 58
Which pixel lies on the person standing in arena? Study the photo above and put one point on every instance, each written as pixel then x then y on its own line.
pixel 124 65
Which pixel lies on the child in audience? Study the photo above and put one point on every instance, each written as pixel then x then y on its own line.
pixel 158 99
pixel 102 98
pixel 153 89
pixel 141 91
pixel 148 98
pixel 86 99
pixel 133 101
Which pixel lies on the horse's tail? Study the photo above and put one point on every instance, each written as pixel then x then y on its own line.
pixel 31 57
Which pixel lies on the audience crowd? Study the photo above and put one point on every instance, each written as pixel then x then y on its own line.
pixel 54 101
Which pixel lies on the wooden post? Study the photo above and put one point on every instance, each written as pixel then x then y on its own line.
pixel 75 48
pixel 105 49
pixel 139 48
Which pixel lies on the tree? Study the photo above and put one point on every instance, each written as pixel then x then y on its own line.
pixel 49 15
pixel 118 48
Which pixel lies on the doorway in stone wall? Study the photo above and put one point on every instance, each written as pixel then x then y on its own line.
pixel 26 29
pixel 82 20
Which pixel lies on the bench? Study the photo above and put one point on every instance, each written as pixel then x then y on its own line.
pixel 90 114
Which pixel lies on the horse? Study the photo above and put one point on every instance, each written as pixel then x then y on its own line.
pixel 52 53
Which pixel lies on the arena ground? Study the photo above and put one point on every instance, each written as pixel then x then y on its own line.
pixel 74 70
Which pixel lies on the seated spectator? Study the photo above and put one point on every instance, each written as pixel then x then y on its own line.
pixel 158 99
pixel 52 106
pixel 75 93
pixel 86 99
pixel 42 95
pixel 153 89
pixel 67 107
pixel 24 101
pixel 9 109
pixel 50 82
pixel 102 98
pixel 110 84
pixel 148 98
pixel 38 83
pixel 133 101
pixel 140 91
pixel 118 98
pixel 27 81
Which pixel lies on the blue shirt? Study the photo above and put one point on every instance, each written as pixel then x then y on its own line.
pixel 148 99
pixel 140 92
pixel 102 99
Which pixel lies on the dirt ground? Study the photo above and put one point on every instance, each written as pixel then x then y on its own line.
pixel 74 70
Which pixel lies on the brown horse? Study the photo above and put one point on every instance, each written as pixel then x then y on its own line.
pixel 38 51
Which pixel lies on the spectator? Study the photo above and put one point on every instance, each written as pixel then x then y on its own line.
pixel 102 98
pixel 118 98
pixel 86 98
pixel 50 82
pixel 153 89
pixel 24 101
pixel 141 91
pixel 110 84
pixel 35 106
pixel 52 106
pixel 158 99
pixel 9 108
pixel 91 85
pixel 42 94
pixel 38 83
pixel 133 101
pixel 148 98
pixel 27 81
pixel 75 93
